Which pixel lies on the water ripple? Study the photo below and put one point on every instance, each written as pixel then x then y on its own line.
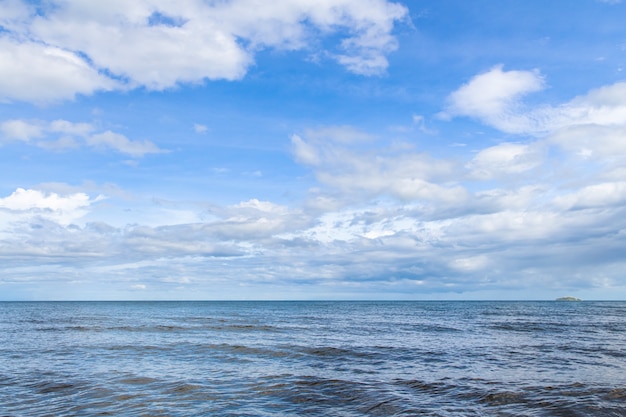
pixel 311 359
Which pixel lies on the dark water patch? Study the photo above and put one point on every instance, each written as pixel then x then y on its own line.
pixel 334 352
pixel 242 328
pixel 83 328
pixel 615 353
pixel 426 388
pixel 169 328
pixel 312 395
pixel 138 380
pixel 126 397
pixel 183 388
pixel 431 328
pixel 47 387
pixel 238 350
pixel 531 327
pixel 613 327
pixel 616 394
pixel 429 354
pixel 502 398
pixel 149 329
pixel 145 349
pixel 489 396
pixel 249 327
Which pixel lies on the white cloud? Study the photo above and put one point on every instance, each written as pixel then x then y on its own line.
pixel 394 171
pixel 592 141
pixel 594 196
pixel 384 215
pixel 262 206
pixel 374 246
pixel 73 47
pixel 33 71
pixel 70 128
pixel 504 159
pixel 63 209
pixel 119 38
pixel 470 264
pixel 592 125
pixel 365 65
pixel 61 144
pixel 494 200
pixel 122 144
pixel 19 130
pixel 493 97
pixel 23 199
pixel 340 134
pixel 304 152
pixel 198 128
pixel 280 24
pixel 62 134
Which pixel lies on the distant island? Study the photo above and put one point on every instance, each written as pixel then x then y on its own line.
pixel 568 299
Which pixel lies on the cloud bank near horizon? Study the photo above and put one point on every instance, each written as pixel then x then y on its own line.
pixel 503 188
pixel 383 215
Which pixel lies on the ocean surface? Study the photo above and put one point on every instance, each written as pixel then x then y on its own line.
pixel 313 359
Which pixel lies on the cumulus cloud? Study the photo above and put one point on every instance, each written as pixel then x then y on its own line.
pixel 504 159
pixel 363 247
pixel 607 194
pixel 19 130
pixel 383 170
pixel 61 134
pixel 63 209
pixel 70 128
pixel 563 214
pixel 592 141
pixel 72 47
pixel 261 206
pixel 519 208
pixel 590 126
pixel 23 199
pixel 44 223
pixel 494 97
pixel 382 215
pixel 36 72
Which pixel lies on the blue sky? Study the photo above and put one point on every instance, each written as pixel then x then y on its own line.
pixel 341 149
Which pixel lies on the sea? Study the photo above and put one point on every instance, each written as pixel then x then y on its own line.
pixel 313 358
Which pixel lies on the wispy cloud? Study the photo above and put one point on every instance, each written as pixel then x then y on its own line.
pixel 62 134
pixel 199 128
pixel 122 144
pixel 396 171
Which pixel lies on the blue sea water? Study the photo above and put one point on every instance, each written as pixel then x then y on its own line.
pixel 313 359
